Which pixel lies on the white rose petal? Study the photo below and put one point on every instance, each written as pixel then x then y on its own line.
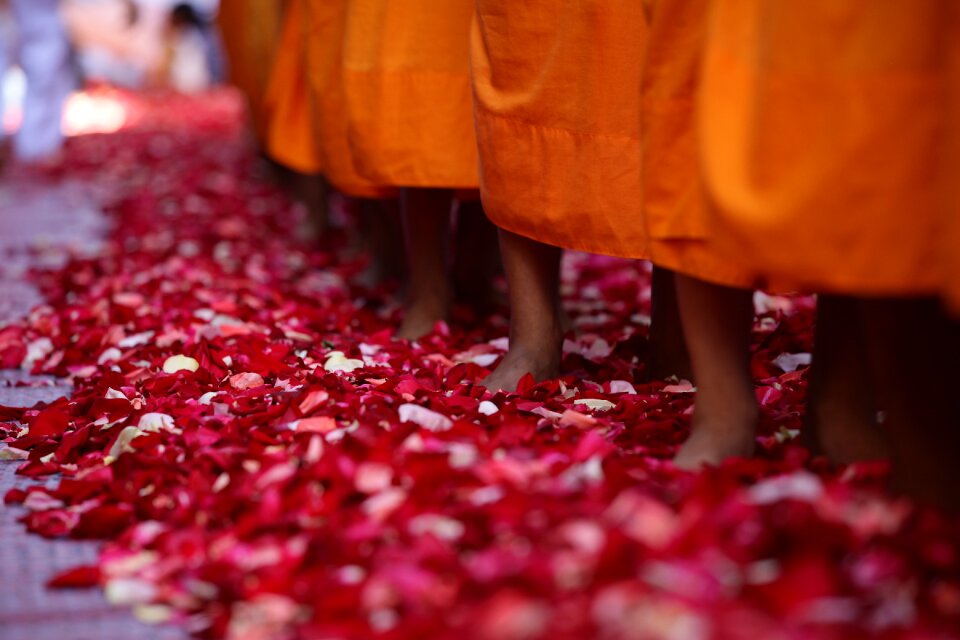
pixel 487 408
pixel 442 527
pixel 113 394
pixel 37 350
pixel 153 613
pixel 122 443
pixel 337 361
pixel 110 355
pixel 153 422
pixel 622 386
pixel 792 361
pixel 802 486
pixel 136 340
pixel 129 591
pixel 180 363
pixel 426 418
pixel 595 403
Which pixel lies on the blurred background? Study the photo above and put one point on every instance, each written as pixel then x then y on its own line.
pixel 50 50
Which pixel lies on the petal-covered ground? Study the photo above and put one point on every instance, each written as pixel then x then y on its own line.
pixel 265 462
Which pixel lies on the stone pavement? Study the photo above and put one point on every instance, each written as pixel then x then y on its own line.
pixel 50 216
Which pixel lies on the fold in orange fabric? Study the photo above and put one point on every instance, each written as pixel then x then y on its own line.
pixel 407 86
pixel 821 127
pixel 950 176
pixel 250 30
pixel 675 207
pixel 325 24
pixel 557 91
pixel 290 136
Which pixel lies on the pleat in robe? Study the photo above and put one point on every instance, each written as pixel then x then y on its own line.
pixel 557 92
pixel 406 75
pixel 290 137
pixel 675 206
pixel 250 30
pixel 325 22
pixel 821 124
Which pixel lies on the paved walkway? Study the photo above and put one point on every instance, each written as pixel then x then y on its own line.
pixel 49 216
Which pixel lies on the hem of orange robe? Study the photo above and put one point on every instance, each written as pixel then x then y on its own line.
pixel 428 184
pixel 420 177
pixel 861 289
pixel 573 246
pixel 366 192
pixel 951 302
pixel 294 164
pixel 689 257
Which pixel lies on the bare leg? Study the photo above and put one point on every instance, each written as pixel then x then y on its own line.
pixel 668 348
pixel 426 222
pixel 380 230
pixel 536 326
pixel 717 322
pixel 913 349
pixel 311 191
pixel 842 408
pixel 477 257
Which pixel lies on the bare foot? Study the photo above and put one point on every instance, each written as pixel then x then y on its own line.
pixel 711 444
pixel 542 363
pixel 843 434
pixel 421 315
pixel 842 403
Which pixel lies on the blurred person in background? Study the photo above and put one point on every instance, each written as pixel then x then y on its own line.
pixel 175 32
pixel 194 59
pixel 138 43
pixel 106 41
pixel 36 40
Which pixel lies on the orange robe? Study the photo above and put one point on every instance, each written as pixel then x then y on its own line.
pixel 585 121
pixel 290 137
pixel 250 30
pixel 675 207
pixel 406 74
pixel 325 22
pixel 950 245
pixel 557 90
pixel 821 125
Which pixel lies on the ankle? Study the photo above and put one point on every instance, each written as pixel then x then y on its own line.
pixel 727 412
pixel 545 341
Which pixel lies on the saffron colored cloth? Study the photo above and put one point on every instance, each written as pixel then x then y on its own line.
pixel 290 137
pixel 950 176
pixel 557 100
pixel 675 207
pixel 250 30
pixel 325 22
pixel 821 131
pixel 406 78
pixel 585 122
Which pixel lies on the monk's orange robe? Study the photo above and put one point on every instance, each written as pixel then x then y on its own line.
pixel 290 135
pixel 675 207
pixel 406 74
pixel 585 121
pixel 557 90
pixel 325 24
pixel 821 126
pixel 250 30
pixel 950 176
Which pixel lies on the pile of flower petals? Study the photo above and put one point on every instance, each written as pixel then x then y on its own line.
pixel 264 462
